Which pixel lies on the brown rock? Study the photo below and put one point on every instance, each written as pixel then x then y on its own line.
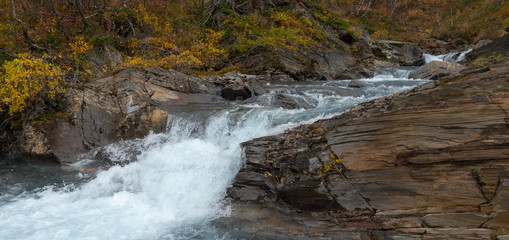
pixel 455 220
pixel 436 46
pixel 403 53
pixel 437 153
pixel 436 69
pixel 35 143
pixel 236 90
pixel 497 48
pixel 500 203
pixel 127 105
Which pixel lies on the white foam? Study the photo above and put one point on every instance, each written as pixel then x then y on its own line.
pixel 449 57
pixel 179 179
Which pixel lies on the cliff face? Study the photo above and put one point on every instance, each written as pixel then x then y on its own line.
pixel 432 162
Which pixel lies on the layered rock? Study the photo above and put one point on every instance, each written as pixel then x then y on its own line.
pixel 498 48
pixel 430 163
pixel 402 53
pixel 436 69
pixel 307 63
pixel 436 47
pixel 127 105
pixel 336 53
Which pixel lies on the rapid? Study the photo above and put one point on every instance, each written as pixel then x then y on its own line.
pixel 170 185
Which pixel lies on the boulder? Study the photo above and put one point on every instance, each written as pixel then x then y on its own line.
pixel 283 101
pixel 100 61
pixel 306 63
pixel 35 143
pixel 482 43
pixel 435 46
pixel 127 105
pixel 357 84
pixel 436 69
pixel 236 90
pixel 403 53
pixel 429 163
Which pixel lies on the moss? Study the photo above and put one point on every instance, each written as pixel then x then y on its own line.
pixel 40 119
pixel 225 8
pixel 99 42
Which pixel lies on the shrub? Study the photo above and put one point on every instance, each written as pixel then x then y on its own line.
pixel 99 42
pixel 80 47
pixel 333 165
pixel 26 80
pixel 483 62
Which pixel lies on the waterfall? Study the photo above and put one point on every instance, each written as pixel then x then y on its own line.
pixel 456 57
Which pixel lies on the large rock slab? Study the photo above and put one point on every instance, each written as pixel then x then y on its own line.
pixel 307 63
pixel 498 48
pixel 436 69
pixel 126 105
pixel 429 163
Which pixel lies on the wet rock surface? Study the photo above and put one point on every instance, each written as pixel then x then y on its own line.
pixel 436 69
pixel 429 163
pixel 357 84
pixel 125 106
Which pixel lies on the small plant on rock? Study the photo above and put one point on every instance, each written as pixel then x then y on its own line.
pixel 332 165
pixel 483 62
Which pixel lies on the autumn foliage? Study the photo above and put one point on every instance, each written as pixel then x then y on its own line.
pixel 461 21
pixel 201 37
pixel 26 80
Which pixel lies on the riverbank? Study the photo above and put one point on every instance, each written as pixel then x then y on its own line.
pixel 431 162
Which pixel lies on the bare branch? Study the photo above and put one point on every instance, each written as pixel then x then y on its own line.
pixel 24 30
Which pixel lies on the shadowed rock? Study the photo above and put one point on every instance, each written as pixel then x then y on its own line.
pixel 403 53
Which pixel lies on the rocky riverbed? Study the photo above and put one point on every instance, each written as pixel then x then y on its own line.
pixel 429 163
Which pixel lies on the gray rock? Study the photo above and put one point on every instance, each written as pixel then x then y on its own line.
pixel 406 54
pixel 497 48
pixel 236 90
pixel 125 106
pixel 102 59
pixel 377 51
pixel 436 69
pixel 357 84
pixel 482 43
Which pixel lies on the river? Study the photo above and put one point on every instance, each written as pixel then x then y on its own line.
pixel 170 185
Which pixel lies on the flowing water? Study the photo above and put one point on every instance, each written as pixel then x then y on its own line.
pixel 456 57
pixel 169 185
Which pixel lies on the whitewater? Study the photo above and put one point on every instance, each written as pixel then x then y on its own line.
pixel 170 185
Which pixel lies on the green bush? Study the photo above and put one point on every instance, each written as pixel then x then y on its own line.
pixel 99 42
